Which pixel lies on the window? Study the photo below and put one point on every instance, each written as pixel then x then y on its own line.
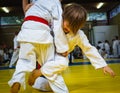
pixel 97 16
pixel 115 11
pixel 12 20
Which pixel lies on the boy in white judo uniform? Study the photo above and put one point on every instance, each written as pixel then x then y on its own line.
pixel 80 39
pixel 36 42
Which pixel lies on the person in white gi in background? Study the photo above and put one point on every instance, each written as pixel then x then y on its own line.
pixel 107 48
pixel 115 47
pixel 36 43
pixel 81 40
pixel 16 51
pixel 101 44
pixel 119 47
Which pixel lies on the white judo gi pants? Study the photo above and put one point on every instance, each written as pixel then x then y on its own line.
pixel 44 54
pixel 42 84
pixel 14 57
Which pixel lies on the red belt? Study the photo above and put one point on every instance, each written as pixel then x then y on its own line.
pixel 37 19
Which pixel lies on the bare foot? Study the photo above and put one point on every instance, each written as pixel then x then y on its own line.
pixel 15 87
pixel 33 75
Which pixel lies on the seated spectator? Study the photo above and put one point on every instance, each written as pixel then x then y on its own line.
pixel 1 55
pixel 77 53
pixel 6 57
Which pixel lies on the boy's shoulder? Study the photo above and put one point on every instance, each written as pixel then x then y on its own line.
pixel 81 32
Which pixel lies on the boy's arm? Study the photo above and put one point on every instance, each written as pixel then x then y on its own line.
pixel 90 51
pixel 26 5
pixel 60 39
pixel 93 55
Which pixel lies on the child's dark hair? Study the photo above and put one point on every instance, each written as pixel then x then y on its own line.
pixel 76 15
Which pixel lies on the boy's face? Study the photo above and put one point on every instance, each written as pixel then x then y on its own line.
pixel 66 27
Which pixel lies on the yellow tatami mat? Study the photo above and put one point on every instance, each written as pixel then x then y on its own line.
pixel 79 79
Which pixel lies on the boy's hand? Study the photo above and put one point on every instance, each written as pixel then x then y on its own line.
pixel 64 54
pixel 33 76
pixel 107 69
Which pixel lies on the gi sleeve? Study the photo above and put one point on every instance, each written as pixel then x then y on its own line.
pixel 90 51
pixel 60 39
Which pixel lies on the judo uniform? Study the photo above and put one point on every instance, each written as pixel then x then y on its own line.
pixel 36 44
pixel 115 48
pixel 90 52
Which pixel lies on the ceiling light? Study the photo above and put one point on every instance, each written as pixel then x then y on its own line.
pixel 100 5
pixel 5 9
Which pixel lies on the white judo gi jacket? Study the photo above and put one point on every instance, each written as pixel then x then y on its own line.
pixel 90 51
pixel 36 32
